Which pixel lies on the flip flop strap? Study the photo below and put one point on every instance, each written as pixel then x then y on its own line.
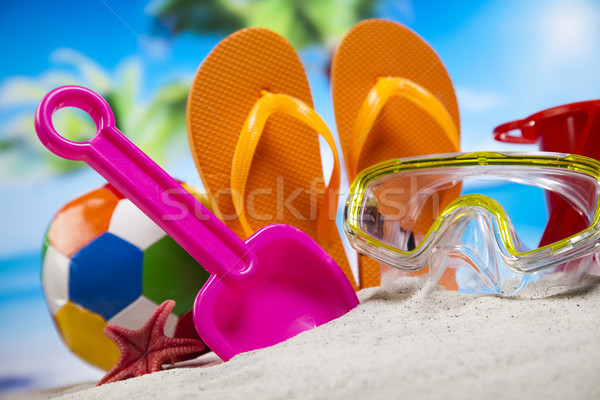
pixel 378 97
pixel 267 105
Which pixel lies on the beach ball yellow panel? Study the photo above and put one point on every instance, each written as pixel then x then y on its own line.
pixel 83 333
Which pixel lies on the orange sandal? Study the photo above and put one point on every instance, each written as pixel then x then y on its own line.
pixel 392 98
pixel 254 137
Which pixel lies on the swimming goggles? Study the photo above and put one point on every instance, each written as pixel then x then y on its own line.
pixel 480 221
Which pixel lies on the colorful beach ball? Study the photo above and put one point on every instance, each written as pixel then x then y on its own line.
pixel 105 262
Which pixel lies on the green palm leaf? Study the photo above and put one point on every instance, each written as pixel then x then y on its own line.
pixel 303 23
pixel 154 125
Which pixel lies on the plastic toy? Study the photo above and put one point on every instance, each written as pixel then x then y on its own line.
pixel 105 262
pixel 253 132
pixel 262 291
pixel 571 128
pixel 474 235
pixel 392 98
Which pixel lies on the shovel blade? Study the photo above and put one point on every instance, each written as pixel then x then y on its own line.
pixel 295 286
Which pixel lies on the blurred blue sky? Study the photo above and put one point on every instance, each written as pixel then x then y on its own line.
pixel 507 59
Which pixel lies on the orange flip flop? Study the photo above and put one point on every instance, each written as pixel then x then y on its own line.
pixel 254 137
pixel 392 98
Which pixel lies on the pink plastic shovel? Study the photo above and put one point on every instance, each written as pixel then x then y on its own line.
pixel 276 284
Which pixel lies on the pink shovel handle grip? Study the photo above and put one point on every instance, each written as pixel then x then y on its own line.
pixel 147 185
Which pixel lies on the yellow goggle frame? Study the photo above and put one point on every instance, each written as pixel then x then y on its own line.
pixel 583 242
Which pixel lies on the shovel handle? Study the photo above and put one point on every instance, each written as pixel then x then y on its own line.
pixel 146 184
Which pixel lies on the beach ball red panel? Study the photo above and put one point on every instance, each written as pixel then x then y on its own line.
pixel 81 220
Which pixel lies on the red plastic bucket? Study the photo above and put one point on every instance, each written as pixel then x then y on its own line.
pixel 571 128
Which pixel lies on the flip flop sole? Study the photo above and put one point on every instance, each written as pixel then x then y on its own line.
pixel 378 48
pixel 287 161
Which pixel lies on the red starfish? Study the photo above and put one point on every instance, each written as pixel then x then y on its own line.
pixel 144 351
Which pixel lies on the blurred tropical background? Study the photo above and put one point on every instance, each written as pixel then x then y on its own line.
pixel 507 59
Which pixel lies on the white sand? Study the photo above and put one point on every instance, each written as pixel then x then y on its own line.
pixel 414 342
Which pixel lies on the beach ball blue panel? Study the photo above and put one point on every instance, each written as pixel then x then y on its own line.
pixel 106 275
